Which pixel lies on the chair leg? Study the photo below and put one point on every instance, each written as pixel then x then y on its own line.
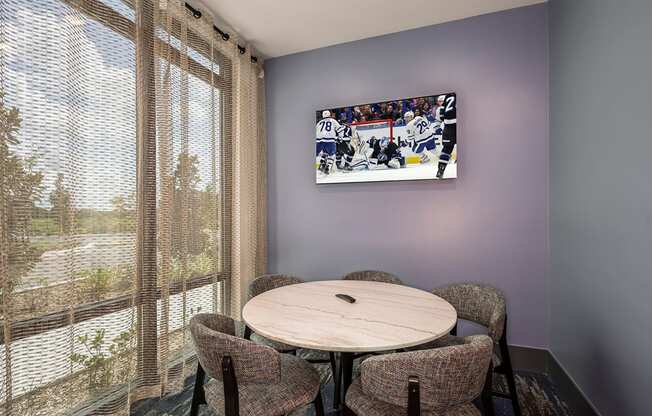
pixel 231 395
pixel 198 397
pixel 319 404
pixel 247 333
pixel 509 371
pixel 414 400
pixel 486 396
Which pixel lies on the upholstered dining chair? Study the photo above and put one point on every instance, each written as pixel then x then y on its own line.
pixel 373 276
pixel 484 305
pixel 441 381
pixel 259 286
pixel 245 378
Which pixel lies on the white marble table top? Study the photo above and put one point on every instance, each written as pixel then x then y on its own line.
pixel 385 316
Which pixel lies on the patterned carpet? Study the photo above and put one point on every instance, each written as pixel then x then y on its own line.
pixel 537 396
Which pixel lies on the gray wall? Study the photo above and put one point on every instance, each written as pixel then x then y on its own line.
pixel 601 199
pixel 489 225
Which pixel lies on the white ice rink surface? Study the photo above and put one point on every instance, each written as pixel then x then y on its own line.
pixel 410 172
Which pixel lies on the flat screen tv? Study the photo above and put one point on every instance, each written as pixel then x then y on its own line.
pixel 397 140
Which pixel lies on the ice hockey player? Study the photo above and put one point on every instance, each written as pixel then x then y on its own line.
pixel 437 115
pixel 326 132
pixel 345 150
pixel 420 134
pixel 439 108
pixel 361 152
pixel 386 152
pixel 449 137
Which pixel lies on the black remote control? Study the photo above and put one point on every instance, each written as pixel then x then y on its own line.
pixel 347 298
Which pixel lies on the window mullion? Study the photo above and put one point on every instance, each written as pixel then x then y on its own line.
pixel 146 181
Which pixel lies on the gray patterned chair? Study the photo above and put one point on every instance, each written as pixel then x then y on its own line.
pixel 261 285
pixel 246 378
pixel 484 305
pixel 373 276
pixel 442 381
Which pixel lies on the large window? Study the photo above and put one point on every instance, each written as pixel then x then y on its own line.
pixel 114 199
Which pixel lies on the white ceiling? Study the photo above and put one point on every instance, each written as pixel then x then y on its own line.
pixel 281 27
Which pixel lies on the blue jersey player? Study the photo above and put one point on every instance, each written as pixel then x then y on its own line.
pixel 345 151
pixel 449 136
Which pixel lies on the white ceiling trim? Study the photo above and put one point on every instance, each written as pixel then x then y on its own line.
pixel 282 27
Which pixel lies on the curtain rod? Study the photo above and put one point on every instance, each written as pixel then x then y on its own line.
pixel 225 36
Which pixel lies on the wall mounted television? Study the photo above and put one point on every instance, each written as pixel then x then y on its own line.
pixel 397 140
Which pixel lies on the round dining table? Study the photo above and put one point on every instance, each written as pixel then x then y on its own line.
pixel 348 318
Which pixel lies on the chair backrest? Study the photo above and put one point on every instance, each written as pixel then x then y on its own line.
pixel 479 303
pixel 448 377
pixel 373 276
pixel 214 337
pixel 267 282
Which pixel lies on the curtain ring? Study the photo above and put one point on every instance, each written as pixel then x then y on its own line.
pixel 195 13
pixel 225 36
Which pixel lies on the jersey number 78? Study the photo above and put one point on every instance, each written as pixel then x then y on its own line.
pixel 326 125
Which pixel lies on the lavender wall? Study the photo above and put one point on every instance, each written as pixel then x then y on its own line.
pixel 489 225
pixel 601 200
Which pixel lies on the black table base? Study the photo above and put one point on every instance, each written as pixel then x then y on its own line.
pixel 342 379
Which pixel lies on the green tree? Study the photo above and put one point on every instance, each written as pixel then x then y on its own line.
pixel 60 200
pixel 187 211
pixel 103 367
pixel 208 206
pixel 119 205
pixel 124 211
pixel 20 188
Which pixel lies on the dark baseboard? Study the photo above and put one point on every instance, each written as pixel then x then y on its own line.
pixel 577 402
pixel 542 361
pixel 529 358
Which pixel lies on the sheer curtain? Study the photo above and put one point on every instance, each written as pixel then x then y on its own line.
pixel 249 176
pixel 132 196
pixel 248 158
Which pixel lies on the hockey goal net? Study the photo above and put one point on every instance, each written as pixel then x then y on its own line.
pixel 374 128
